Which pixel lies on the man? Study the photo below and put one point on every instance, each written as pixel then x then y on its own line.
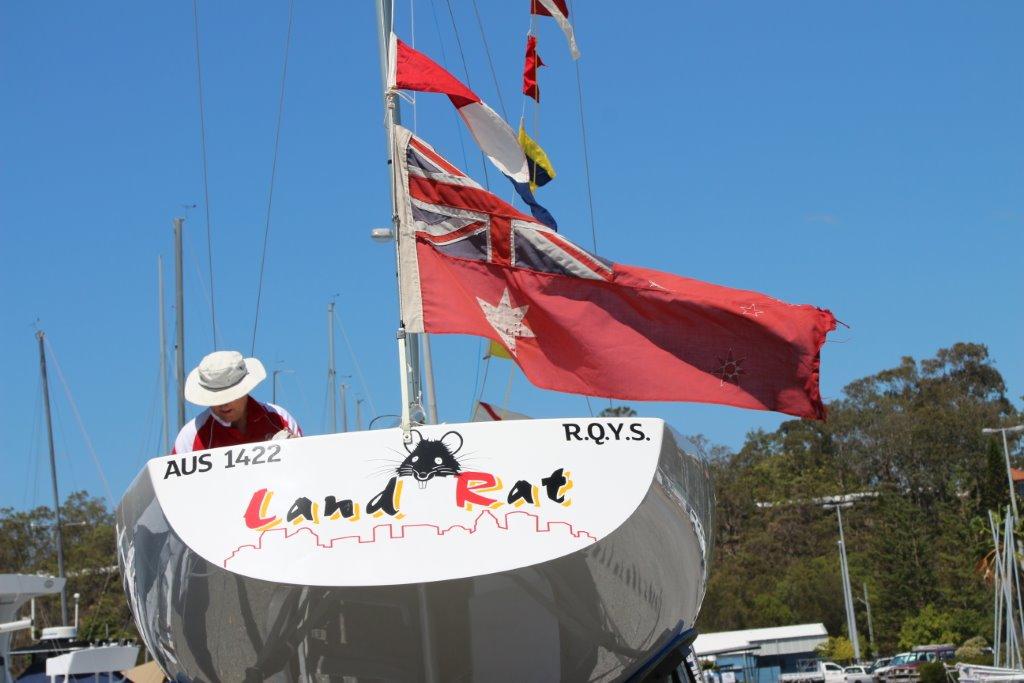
pixel 222 382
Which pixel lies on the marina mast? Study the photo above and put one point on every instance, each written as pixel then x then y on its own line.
pixel 332 388
pixel 179 311
pixel 163 352
pixel 53 477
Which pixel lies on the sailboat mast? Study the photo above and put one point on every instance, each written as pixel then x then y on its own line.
pixel 428 381
pixel 179 305
pixel 331 373
pixel 53 477
pixel 408 359
pixel 163 351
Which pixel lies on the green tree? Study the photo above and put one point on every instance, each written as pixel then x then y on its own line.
pixel 27 546
pixel 911 436
pixel 932 672
pixel 836 649
pixel 973 651
pixel 617 411
pixel 932 626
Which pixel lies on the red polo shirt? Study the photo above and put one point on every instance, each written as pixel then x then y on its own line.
pixel 262 422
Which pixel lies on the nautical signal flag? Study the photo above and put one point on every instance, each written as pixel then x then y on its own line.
pixel 412 70
pixel 559 11
pixel 574 322
pixel 533 61
pixel 496 350
pixel 541 170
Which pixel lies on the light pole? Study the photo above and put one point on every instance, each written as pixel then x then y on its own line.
pixel 837 502
pixel 851 616
pixel 1006 453
pixel 871 630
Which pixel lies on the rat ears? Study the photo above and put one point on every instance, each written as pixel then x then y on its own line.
pixel 414 441
pixel 452 441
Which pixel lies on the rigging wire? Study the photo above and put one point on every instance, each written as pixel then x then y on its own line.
pixel 476 377
pixel 412 35
pixel 302 392
pixel 508 387
pixel 81 424
pixel 64 452
pixel 273 172
pixel 147 430
pixel 202 283
pixel 490 62
pixel 355 362
pixel 586 152
pixel 483 383
pixel 455 116
pixel 469 84
pixel 33 461
pixel 206 183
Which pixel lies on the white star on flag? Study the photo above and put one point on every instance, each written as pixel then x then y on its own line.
pixel 752 309
pixel 507 320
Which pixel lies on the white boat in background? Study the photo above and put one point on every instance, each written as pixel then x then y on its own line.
pixel 542 550
pixel 976 673
pixel 57 655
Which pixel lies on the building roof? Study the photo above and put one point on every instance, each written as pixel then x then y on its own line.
pixel 764 641
pixel 1016 475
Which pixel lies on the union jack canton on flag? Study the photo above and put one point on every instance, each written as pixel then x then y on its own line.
pixel 461 219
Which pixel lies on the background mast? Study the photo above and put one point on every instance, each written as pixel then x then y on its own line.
pixel 53 479
pixel 179 306
pixel 331 373
pixel 163 352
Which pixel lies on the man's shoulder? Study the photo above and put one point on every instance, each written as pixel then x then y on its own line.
pixel 274 408
pixel 185 442
pixel 288 421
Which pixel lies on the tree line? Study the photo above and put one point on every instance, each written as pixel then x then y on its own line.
pixel 910 437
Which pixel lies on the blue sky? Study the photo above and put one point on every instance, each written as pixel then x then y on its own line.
pixel 864 157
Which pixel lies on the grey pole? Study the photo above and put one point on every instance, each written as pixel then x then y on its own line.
pixel 1006 454
pixel 408 349
pixel 428 380
pixel 344 408
pixel 163 352
pixel 332 388
pixel 53 478
pixel 359 414
pixel 871 629
pixel 851 617
pixel 179 305
pixel 408 342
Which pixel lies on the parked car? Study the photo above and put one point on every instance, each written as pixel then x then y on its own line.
pixel 907 669
pixel 857 674
pixel 879 663
pixel 880 672
pixel 904 666
pixel 816 672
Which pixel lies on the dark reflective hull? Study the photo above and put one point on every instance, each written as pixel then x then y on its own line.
pixel 595 615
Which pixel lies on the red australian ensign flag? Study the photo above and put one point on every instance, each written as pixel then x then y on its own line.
pixel 575 322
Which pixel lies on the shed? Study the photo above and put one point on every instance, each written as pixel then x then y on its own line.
pixel 761 654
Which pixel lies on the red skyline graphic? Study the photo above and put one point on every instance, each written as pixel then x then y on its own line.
pixel 391 531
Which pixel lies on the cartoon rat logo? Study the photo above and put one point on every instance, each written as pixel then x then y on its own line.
pixel 429 458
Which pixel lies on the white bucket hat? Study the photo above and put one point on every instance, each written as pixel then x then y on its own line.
pixel 222 377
